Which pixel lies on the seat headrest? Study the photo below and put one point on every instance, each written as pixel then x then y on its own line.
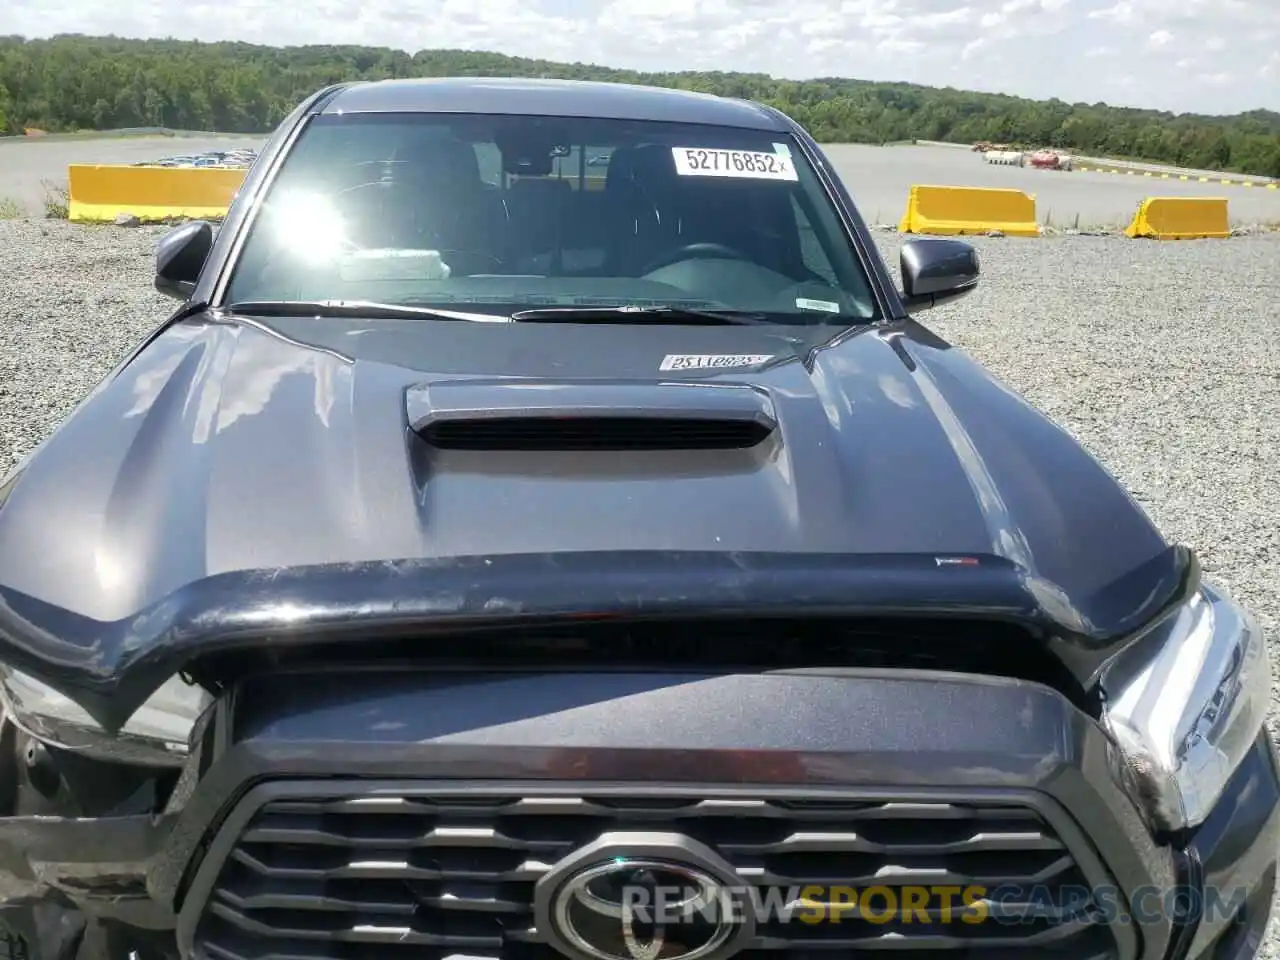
pixel 448 162
pixel 648 166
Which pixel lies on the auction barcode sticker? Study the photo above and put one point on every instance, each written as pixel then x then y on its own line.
pixel 747 164
pixel 712 361
pixel 826 306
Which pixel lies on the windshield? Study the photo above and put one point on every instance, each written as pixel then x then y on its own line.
pixel 501 214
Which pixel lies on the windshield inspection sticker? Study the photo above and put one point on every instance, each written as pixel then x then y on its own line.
pixel 743 164
pixel 825 306
pixel 712 361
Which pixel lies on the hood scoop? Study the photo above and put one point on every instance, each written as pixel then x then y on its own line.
pixel 589 415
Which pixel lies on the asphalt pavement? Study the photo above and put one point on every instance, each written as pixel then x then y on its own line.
pixel 880 178
pixel 27 164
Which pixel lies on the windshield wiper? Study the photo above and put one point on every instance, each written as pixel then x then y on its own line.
pixel 360 309
pixel 373 310
pixel 635 314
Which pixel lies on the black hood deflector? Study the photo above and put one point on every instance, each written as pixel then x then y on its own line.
pixel 111 668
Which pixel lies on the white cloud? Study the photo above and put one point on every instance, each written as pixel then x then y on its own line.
pixel 1123 12
pixel 961 16
pixel 1001 45
pixel 1016 16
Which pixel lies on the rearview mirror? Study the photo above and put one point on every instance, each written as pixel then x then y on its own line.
pixel 935 271
pixel 180 255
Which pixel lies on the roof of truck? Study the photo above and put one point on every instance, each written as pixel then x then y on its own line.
pixel 555 98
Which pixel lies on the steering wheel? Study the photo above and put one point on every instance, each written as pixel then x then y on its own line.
pixel 695 251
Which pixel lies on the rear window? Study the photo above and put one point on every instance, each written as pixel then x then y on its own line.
pixel 503 212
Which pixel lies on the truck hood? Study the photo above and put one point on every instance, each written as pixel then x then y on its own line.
pixel 232 450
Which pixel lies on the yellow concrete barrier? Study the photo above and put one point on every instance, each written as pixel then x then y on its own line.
pixel 1181 218
pixel 950 211
pixel 100 193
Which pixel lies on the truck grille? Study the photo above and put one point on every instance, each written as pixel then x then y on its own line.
pixel 440 876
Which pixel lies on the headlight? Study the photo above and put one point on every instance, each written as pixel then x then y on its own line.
pixel 156 735
pixel 1185 716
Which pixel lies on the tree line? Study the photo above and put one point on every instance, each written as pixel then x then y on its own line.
pixel 74 82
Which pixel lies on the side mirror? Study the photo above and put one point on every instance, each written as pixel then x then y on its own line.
pixel 180 256
pixel 935 271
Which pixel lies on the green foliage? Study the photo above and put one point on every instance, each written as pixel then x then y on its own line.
pixel 10 209
pixel 57 200
pixel 79 83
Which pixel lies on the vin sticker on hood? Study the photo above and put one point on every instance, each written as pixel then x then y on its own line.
pixel 712 361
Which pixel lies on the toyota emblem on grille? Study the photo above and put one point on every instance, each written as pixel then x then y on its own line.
pixel 643 896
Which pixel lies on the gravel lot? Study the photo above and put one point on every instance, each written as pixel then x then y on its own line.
pixel 1161 358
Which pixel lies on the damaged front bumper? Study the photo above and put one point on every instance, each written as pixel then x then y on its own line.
pixel 849 734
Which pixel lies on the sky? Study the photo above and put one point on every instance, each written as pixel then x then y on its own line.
pixel 1203 56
